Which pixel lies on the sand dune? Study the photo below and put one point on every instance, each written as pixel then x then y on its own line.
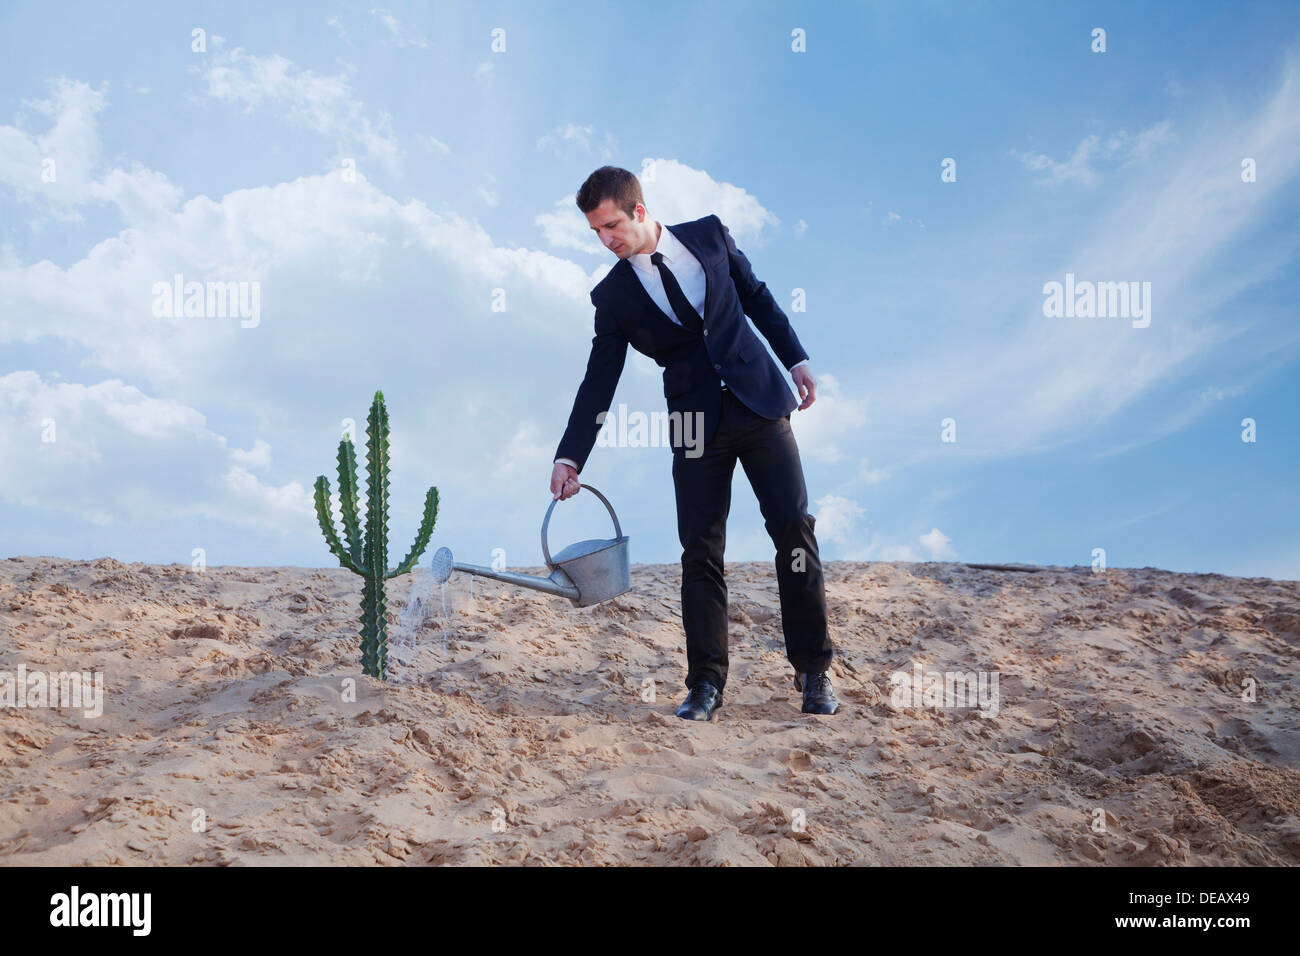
pixel 527 741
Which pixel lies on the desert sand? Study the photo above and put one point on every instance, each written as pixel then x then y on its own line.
pixel 1121 736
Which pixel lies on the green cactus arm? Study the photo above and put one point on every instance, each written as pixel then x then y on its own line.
pixel 422 536
pixel 348 497
pixel 326 521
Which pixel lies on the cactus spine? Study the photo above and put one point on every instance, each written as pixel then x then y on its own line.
pixel 366 553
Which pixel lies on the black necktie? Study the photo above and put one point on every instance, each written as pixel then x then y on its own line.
pixel 684 311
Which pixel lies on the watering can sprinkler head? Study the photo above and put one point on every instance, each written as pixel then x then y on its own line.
pixel 442 565
pixel 587 572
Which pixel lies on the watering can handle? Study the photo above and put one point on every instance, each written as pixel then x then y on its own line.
pixel 618 531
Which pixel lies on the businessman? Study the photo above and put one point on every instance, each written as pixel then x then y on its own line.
pixel 680 294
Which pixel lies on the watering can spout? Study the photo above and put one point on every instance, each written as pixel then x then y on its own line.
pixel 557 584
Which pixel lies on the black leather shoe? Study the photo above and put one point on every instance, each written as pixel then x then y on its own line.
pixel 818 694
pixel 701 702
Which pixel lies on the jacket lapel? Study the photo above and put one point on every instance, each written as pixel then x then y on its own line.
pixel 685 238
pixel 648 304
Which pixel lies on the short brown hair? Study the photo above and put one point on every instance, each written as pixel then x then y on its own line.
pixel 611 182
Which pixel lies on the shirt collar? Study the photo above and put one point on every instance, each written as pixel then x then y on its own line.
pixel 668 244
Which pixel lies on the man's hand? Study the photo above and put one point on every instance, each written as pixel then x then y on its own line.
pixel 564 482
pixel 806 384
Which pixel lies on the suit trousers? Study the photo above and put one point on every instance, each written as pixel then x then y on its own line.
pixel 768 454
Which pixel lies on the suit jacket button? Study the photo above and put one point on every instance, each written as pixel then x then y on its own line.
pixel 706 331
pixel 717 366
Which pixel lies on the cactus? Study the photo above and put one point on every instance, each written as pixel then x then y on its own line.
pixel 366 553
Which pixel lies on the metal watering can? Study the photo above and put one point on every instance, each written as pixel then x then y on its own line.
pixel 588 572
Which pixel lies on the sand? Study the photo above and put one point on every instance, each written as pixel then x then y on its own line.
pixel 1120 738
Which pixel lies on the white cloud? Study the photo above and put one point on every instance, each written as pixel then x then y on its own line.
pixel 868 475
pixel 832 419
pixel 1146 141
pixel 291 233
pixel 289 507
pixel 1219 393
pixel 840 521
pixel 1082 165
pixel 570 139
pixel 71 147
pixel 938 544
pixel 1034 383
pixel 566 226
pixel 403 35
pixel 1078 168
pixel 258 457
pixel 894 218
pixel 437 145
pixel 315 239
pixel 71 143
pixel 120 456
pixel 837 519
pixel 325 104
pixel 675 192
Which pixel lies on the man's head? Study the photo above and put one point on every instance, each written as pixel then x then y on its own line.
pixel 611 198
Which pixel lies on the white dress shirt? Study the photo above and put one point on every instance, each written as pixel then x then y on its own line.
pixel 688 272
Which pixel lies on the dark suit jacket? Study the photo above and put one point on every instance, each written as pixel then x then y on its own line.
pixel 694 364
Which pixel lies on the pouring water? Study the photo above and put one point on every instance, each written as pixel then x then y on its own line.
pixel 586 573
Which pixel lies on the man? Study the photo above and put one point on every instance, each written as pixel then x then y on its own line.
pixel 680 294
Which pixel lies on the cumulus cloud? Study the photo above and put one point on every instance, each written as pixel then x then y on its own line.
pixel 60 167
pixel 291 233
pixel 838 518
pixel 834 420
pixel 841 524
pixel 938 544
pixel 109 453
pixel 674 192
pixel 257 458
pixel 566 227
pixel 868 475
pixel 318 246
pixel 70 142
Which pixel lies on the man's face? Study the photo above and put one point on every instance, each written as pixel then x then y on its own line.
pixel 620 235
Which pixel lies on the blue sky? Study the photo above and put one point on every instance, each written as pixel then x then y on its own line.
pixel 924 297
